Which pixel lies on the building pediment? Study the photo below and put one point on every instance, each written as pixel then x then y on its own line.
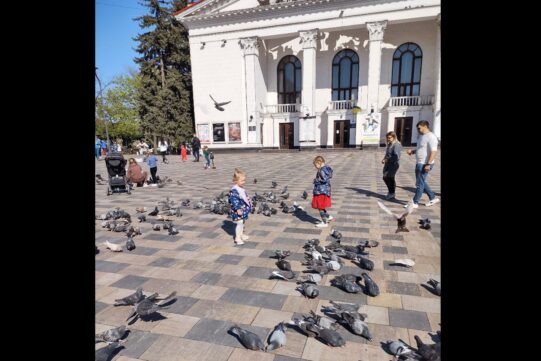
pixel 210 7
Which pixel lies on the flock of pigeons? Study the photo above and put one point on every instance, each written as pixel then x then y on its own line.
pixel 318 259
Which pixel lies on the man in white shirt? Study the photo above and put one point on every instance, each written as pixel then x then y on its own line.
pixel 427 147
pixel 162 147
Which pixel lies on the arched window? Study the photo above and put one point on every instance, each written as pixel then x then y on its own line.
pixel 406 76
pixel 289 80
pixel 345 75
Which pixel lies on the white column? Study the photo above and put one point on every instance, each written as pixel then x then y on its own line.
pixel 250 52
pixel 309 48
pixel 375 32
pixel 437 101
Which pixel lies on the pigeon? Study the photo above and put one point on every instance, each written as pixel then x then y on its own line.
pixel 312 277
pixel 403 262
pixel 427 352
pixel 277 338
pixel 321 321
pixel 336 234
pixel 172 230
pixel 98 177
pixel 308 289
pixel 308 327
pixel 370 287
pixel 436 285
pixel 106 353
pixel 248 339
pixel 179 183
pixel 154 212
pixel 365 263
pixel 401 219
pixel 147 307
pixel 141 209
pixel 156 227
pixel 142 218
pixel 281 254
pixel 255 181
pixel 274 184
pixel 333 265
pixel 284 265
pixel 399 348
pixel 330 337
pixel 312 242
pixel 130 244
pixel 97 250
pixel 217 105
pixel 113 247
pixel 425 224
pixel 348 307
pixel 356 325
pixel 185 203
pixel 112 335
pixel 131 299
pixel 284 191
pixel 346 283
pixel 285 275
pixel 304 195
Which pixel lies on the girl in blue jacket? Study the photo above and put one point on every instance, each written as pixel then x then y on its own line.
pixel 241 205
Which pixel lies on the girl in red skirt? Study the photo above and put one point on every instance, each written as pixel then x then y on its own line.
pixel 183 153
pixel 322 191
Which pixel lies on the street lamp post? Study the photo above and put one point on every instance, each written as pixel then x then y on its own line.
pixel 104 115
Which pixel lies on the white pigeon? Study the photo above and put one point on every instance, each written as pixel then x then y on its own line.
pixel 400 219
pixel 405 262
pixel 113 247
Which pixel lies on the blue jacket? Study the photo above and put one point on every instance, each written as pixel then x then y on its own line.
pixel 237 203
pixel 152 161
pixel 322 183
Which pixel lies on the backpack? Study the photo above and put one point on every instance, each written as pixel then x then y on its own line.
pixel 211 155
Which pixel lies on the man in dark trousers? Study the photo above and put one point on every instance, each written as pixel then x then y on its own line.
pixel 196 144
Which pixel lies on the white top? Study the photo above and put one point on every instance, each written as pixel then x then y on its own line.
pixel 425 141
pixel 162 146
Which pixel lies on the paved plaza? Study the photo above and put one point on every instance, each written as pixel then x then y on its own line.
pixel 219 284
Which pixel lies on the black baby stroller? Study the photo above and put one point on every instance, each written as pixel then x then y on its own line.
pixel 116 168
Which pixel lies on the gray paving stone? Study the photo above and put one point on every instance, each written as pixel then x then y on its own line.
pixel 285 358
pixel 181 305
pixel 230 259
pixel 208 235
pixel 259 233
pixel 302 231
pixel 393 249
pixel 288 242
pixel 392 237
pixel 130 282
pixel 258 272
pixel 100 306
pixel 164 262
pixel 403 288
pixel 189 247
pixel 144 251
pixel 112 267
pixel 409 319
pixel 137 342
pixel 254 298
pixel 208 278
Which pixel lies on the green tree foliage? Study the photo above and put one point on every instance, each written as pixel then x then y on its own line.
pixel 119 104
pixel 165 99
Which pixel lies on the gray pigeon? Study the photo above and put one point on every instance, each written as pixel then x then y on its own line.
pixel 304 195
pixel 428 352
pixel 172 230
pixel 425 224
pixel 285 275
pixel 274 184
pixel 308 289
pixel 330 337
pixel 106 353
pixel 400 219
pixel 248 339
pixel 309 328
pixel 365 263
pixel 147 307
pixel 436 285
pixel 281 254
pixel 277 338
pixel 142 218
pixel 399 348
pixel 349 307
pixel 284 265
pixel 356 325
pixel 156 227
pixel 154 212
pixel 336 234
pixel 312 277
pixel 112 335
pixel 370 287
pixel 131 299
pixel 130 244
pixel 346 284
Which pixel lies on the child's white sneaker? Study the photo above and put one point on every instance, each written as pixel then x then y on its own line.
pixel 244 237
pixel 238 241
pixel 322 225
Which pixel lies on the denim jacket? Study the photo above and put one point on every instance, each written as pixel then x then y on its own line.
pixel 322 183
pixel 237 203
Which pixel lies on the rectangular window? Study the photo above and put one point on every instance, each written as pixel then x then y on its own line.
pixel 234 132
pixel 218 132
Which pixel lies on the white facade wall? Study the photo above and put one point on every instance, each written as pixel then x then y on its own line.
pixel 219 69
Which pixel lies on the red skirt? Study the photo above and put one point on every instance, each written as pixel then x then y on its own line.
pixel 321 201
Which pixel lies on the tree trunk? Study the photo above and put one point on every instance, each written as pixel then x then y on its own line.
pixel 162 69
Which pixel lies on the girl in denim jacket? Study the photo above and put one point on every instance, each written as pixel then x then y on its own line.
pixel 241 205
pixel 322 191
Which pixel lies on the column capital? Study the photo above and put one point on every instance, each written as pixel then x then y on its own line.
pixel 249 46
pixel 309 38
pixel 376 30
pixel 438 19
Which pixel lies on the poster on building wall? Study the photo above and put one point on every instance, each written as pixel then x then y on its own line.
pixel 234 132
pixel 371 128
pixel 307 131
pixel 203 133
pixel 218 132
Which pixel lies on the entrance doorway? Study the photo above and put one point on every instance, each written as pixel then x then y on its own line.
pixel 341 133
pixel 286 135
pixel 403 129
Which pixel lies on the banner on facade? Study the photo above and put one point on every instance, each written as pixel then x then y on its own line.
pixel 203 133
pixel 218 132
pixel 307 131
pixel 371 128
pixel 234 132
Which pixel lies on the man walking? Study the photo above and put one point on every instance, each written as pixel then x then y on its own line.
pixel 427 147
pixel 196 144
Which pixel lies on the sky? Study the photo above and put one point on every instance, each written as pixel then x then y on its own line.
pixel 115 28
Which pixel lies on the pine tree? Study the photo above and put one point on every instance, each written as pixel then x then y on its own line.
pixel 166 92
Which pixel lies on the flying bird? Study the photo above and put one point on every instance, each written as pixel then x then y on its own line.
pixel 401 219
pixel 218 105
